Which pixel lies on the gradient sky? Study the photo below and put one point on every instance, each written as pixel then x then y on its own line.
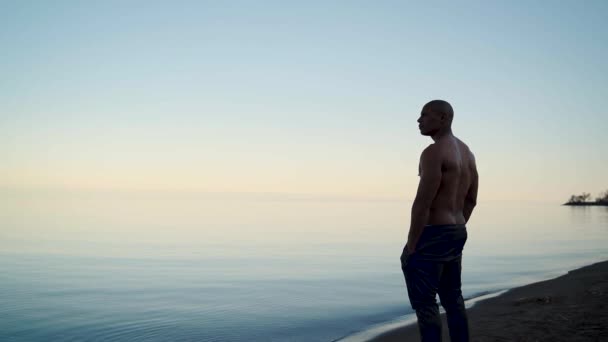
pixel 308 97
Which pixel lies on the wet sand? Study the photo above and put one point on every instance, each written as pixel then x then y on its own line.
pixel 573 307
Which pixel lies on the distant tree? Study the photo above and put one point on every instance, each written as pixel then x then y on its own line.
pixel 603 197
pixel 582 198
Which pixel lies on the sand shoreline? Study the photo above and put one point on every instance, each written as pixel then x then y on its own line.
pixel 371 333
pixel 571 307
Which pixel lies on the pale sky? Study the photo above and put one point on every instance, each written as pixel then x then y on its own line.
pixel 308 97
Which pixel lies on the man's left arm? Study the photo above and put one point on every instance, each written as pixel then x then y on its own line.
pixel 430 180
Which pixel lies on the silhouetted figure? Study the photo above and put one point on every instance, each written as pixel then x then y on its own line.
pixel 447 194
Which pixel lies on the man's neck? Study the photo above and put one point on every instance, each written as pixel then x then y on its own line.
pixel 442 133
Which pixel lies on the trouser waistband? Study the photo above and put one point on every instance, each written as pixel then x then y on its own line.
pixel 445 226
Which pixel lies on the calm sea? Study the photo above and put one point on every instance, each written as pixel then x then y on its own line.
pixel 168 267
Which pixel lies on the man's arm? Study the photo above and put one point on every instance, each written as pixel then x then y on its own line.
pixel 430 179
pixel 471 200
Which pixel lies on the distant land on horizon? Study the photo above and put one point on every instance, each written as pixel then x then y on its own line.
pixel 582 199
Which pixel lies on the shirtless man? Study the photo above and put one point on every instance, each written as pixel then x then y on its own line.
pixel 447 194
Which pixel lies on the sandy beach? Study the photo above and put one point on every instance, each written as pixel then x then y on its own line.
pixel 572 307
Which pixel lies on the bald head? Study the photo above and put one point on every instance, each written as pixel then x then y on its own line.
pixel 435 117
pixel 441 107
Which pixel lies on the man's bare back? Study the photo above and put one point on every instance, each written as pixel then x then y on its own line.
pixel 458 172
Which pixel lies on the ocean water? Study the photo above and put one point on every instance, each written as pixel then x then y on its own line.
pixel 216 267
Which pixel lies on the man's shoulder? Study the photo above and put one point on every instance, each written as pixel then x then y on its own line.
pixel 432 148
pixel 466 147
pixel 432 152
pixel 470 155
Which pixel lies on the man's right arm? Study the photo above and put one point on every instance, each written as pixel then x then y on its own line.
pixel 471 199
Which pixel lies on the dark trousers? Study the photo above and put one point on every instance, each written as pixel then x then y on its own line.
pixel 435 268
